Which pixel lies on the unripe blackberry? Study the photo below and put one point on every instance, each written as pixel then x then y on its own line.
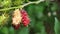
pixel 25 18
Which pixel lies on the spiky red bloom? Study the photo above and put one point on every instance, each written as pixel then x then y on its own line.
pixel 18 17
pixel 25 18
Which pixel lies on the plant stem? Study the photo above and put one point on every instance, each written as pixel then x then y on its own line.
pixel 22 6
pixel 9 8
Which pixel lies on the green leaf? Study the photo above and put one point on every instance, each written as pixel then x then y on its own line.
pixel 39 10
pixel 30 9
pixel 43 30
pixel 4 30
pixel 54 7
pixel 11 30
pixel 32 23
pixel 47 2
pixel 24 30
pixel 38 26
pixel 6 3
pixel 57 26
pixel 36 10
pixel 17 2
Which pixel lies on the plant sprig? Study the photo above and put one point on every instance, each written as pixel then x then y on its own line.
pixel 22 6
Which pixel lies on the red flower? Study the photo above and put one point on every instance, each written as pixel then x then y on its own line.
pixel 16 19
pixel 25 18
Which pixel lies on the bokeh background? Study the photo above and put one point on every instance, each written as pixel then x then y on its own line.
pixel 45 17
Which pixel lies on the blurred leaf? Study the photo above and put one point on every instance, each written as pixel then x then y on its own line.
pixel 39 10
pixel 30 10
pixel 11 30
pixel 54 7
pixel 47 2
pixel 35 11
pixel 32 23
pixel 38 26
pixel 4 30
pixel 4 19
pixel 57 26
pixel 6 3
pixel 43 30
pixel 24 30
pixel 17 2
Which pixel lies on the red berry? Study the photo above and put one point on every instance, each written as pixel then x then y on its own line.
pixel 25 18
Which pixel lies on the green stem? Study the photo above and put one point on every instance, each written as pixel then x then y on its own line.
pixel 21 6
pixel 9 8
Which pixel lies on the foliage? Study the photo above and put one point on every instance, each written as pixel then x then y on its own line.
pixel 44 16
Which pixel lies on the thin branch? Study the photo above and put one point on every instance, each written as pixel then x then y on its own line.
pixel 21 6
pixel 36 2
pixel 9 8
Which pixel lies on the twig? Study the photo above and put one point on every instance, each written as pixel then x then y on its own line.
pixel 9 8
pixel 36 2
pixel 21 6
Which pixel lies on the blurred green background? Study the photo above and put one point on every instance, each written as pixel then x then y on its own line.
pixel 45 17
